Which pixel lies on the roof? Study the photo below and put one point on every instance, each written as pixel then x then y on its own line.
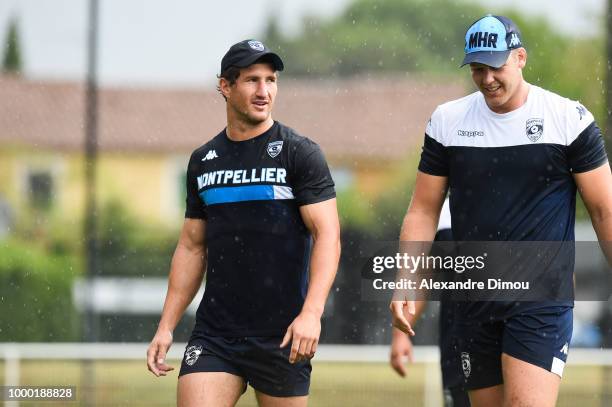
pixel 367 118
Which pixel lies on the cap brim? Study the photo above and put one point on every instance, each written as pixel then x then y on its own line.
pixel 276 61
pixel 494 59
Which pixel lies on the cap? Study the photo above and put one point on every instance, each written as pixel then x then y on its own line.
pixel 246 53
pixel 490 40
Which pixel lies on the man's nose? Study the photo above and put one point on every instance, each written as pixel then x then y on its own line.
pixel 488 76
pixel 262 88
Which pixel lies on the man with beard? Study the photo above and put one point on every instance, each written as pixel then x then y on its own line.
pixel 261 219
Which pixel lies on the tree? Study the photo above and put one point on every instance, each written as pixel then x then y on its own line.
pixel 381 36
pixel 272 32
pixel 11 62
pixel 420 36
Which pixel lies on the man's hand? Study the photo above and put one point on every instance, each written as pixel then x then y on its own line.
pixel 156 354
pixel 305 331
pixel 399 319
pixel 401 350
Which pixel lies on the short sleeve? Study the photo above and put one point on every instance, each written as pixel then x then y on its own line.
pixel 194 208
pixel 587 152
pixel 434 156
pixel 311 179
pixel 578 119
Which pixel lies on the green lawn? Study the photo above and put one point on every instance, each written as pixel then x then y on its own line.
pixel 121 383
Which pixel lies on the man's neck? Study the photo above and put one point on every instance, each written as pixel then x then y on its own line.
pixel 241 131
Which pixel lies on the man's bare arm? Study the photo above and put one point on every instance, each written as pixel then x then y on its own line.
pixel 186 273
pixel 322 221
pixel 421 220
pixel 419 225
pixel 595 188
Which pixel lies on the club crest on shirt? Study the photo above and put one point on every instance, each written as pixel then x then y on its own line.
pixel 274 148
pixel 465 364
pixel 534 129
pixel 192 354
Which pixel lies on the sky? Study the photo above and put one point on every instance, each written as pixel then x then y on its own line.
pixel 181 42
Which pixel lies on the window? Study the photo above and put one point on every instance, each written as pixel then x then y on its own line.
pixel 40 189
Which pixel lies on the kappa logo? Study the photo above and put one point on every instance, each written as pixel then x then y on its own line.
pixel 192 354
pixel 565 349
pixel 210 155
pixel 534 129
pixel 465 364
pixel 514 40
pixel 470 133
pixel 274 148
pixel 256 45
pixel 581 111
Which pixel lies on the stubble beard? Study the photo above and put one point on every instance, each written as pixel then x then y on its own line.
pixel 243 115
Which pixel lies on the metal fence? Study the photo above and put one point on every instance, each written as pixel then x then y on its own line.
pixel 349 375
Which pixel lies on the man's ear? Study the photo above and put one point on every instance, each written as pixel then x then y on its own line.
pixel 521 55
pixel 224 87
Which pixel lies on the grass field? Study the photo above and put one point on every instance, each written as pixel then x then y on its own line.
pixel 128 383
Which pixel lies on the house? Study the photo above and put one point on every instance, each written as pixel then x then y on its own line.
pixel 364 126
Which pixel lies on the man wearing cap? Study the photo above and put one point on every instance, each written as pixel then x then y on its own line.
pixel 512 156
pixel 261 219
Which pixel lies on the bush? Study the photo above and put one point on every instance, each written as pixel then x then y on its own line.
pixel 129 248
pixel 35 294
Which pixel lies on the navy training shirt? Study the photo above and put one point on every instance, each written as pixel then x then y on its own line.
pixel 510 175
pixel 249 193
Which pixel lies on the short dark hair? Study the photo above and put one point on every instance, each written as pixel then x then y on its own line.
pixel 230 74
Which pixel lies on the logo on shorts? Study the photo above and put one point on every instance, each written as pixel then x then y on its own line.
pixel 256 45
pixel 465 364
pixel 534 129
pixel 565 349
pixel 192 354
pixel 274 148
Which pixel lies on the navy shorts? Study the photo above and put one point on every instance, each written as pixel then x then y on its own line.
pixel 455 394
pixel 537 335
pixel 258 360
